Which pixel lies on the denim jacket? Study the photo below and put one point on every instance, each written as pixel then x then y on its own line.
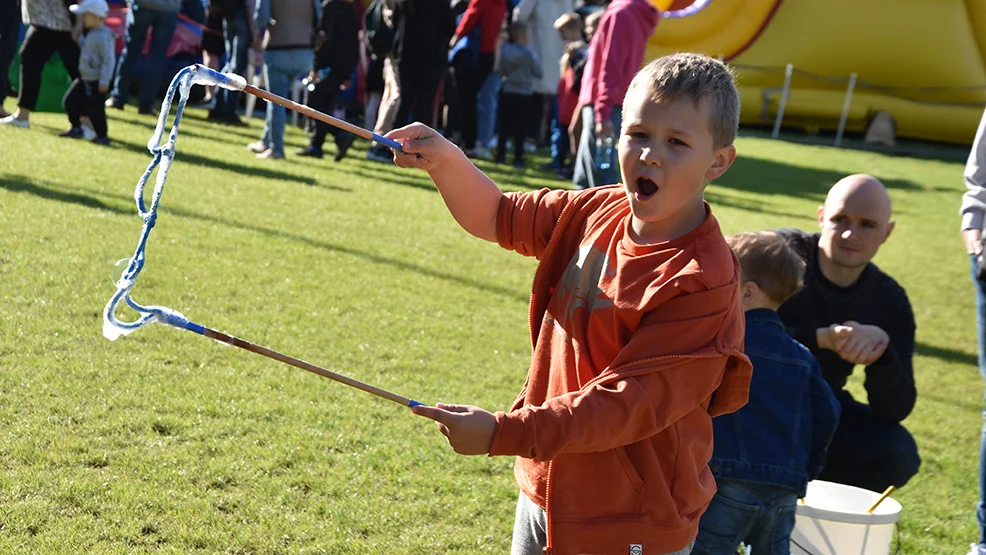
pixel 781 435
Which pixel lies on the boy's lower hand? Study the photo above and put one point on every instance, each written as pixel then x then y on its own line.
pixel 424 148
pixel 469 429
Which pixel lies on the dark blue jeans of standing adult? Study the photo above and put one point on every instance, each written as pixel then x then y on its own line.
pixel 237 32
pixel 561 149
pixel 759 515
pixel 162 26
pixel 981 328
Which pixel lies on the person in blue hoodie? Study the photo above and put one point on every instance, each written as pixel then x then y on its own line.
pixel 766 452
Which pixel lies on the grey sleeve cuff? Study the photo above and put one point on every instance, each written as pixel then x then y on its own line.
pixel 972 219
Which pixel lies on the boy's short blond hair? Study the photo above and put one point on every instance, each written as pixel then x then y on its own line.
pixel 695 77
pixel 570 20
pixel 769 261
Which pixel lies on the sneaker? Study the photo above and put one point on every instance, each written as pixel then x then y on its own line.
pixel 977 549
pixel 147 111
pixel 480 152
pixel 114 102
pixel 73 133
pixel 257 147
pixel 14 122
pixel 101 141
pixel 342 145
pixel 378 154
pixel 519 164
pixel 87 132
pixel 271 154
pixel 310 152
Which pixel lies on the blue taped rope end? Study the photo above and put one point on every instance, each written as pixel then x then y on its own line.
pixel 192 326
pixel 389 143
pixel 414 403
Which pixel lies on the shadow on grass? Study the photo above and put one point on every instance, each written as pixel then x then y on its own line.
pixel 222 164
pixel 769 177
pixel 909 148
pixel 50 191
pixel 946 354
pixel 58 192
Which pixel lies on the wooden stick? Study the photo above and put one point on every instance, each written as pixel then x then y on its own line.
pixel 315 114
pixel 298 363
pixel 886 493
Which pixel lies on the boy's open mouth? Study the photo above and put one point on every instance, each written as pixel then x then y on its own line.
pixel 645 188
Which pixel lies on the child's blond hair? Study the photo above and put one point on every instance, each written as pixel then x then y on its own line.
pixel 769 261
pixel 695 77
pixel 569 21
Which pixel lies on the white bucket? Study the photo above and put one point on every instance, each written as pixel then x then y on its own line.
pixel 833 521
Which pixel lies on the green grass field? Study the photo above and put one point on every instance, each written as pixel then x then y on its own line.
pixel 166 441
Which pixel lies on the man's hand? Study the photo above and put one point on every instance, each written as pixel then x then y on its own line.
pixel 859 343
pixel 469 429
pixel 424 148
pixel 604 128
pixel 103 89
pixel 973 239
pixel 258 41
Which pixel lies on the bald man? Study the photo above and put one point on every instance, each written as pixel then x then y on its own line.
pixel 973 213
pixel 851 313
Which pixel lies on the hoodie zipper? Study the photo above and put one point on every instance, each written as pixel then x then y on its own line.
pixel 547 510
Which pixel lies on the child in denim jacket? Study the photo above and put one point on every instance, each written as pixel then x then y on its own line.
pixel 766 452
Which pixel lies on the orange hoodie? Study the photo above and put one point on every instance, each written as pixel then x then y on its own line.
pixel 635 349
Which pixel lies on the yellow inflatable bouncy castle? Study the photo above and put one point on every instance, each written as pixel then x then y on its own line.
pixel 922 61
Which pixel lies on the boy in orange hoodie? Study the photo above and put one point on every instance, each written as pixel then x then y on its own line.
pixel 636 323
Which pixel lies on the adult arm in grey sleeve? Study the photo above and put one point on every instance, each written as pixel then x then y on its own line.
pixel 974 200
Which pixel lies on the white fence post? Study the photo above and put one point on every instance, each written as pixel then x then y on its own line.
pixel 784 95
pixel 845 110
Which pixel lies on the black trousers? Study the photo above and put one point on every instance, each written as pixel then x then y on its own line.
pixel 419 83
pixel 469 76
pixel 323 100
pixel 513 117
pixel 39 46
pixel 84 99
pixel 868 451
pixel 10 28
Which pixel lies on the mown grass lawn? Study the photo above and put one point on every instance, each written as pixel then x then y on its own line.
pixel 165 441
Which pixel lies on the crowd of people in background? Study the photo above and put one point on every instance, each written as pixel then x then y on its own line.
pixel 492 75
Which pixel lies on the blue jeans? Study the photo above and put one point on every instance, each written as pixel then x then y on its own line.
pixel 758 515
pixel 586 173
pixel 486 108
pixel 162 26
pixel 236 29
pixel 560 143
pixel 981 326
pixel 283 68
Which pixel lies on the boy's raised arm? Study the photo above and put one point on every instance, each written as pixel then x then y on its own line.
pixel 471 197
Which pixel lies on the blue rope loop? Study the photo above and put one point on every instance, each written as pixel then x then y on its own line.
pixel 163 155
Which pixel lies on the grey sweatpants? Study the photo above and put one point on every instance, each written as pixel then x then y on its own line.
pixel 531 530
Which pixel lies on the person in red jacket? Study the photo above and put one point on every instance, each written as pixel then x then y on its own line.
pixel 616 51
pixel 472 66
pixel 636 323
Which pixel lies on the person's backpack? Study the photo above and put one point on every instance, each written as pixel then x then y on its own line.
pixel 379 36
